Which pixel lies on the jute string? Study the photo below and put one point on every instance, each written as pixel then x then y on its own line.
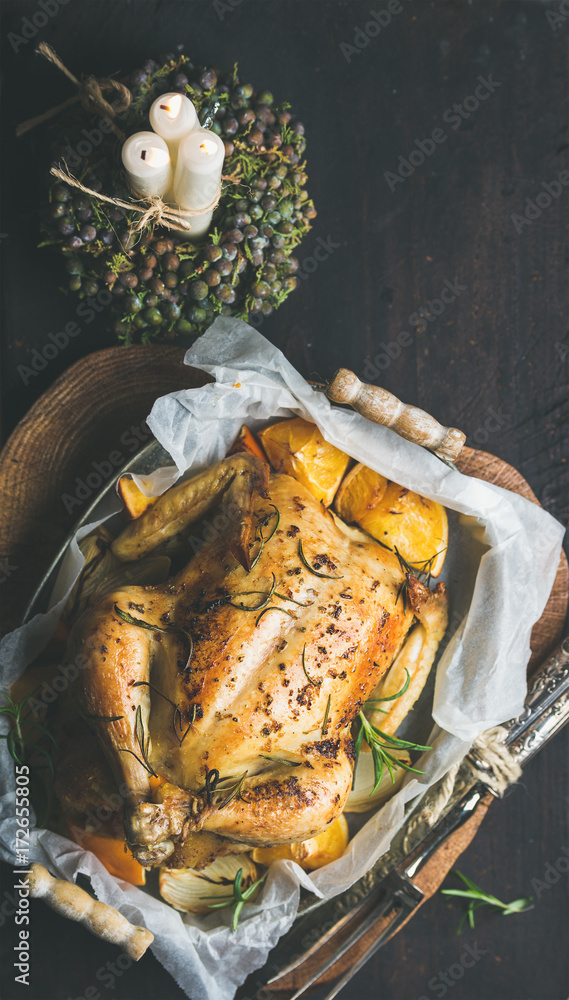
pixel 153 211
pixel 89 93
pixel 501 770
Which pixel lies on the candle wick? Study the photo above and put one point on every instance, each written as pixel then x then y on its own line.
pixel 143 154
pixel 164 107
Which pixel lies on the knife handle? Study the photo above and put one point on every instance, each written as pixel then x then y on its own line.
pixel 382 407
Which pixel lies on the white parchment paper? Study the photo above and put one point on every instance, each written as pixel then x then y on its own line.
pixel 510 550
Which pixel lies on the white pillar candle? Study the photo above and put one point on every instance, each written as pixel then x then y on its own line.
pixel 197 177
pixel 147 162
pixel 172 116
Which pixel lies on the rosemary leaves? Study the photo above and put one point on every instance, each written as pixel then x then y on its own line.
pixel 143 745
pixel 312 569
pixel 382 746
pixel 308 677
pixel 238 897
pixel 478 897
pixel 259 537
pixel 171 629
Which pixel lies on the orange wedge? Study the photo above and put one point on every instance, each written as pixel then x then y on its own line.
pixel 360 491
pixel 309 854
pixel 396 516
pixel 246 441
pixel 297 448
pixel 111 852
pixel 135 501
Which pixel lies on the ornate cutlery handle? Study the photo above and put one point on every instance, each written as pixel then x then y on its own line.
pixel 546 712
pixel 546 707
pixel 384 408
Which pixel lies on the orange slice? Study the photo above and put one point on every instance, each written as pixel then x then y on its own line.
pixel 360 491
pixel 111 852
pixel 246 441
pixel 297 448
pixel 396 516
pixel 135 501
pixel 309 854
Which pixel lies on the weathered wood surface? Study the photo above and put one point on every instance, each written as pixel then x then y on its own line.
pixel 493 363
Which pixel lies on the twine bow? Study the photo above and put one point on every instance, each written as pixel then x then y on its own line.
pixel 89 93
pixel 153 211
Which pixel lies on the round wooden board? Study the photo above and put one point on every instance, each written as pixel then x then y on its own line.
pixel 95 410
pixel 94 413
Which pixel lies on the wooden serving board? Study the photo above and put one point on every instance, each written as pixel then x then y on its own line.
pixel 82 430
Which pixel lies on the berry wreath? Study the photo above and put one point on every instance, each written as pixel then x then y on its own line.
pixel 161 286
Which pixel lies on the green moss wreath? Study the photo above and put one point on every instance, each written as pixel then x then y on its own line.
pixel 163 286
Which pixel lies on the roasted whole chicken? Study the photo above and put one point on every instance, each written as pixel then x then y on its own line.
pixel 236 682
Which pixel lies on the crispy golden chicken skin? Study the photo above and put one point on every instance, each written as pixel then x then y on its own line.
pixel 244 699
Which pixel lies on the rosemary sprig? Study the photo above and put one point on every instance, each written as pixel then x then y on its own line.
pixel 22 726
pixel 259 537
pixel 143 746
pixel 238 898
pixel 178 717
pixel 171 629
pixel 234 791
pixel 324 576
pixel 308 677
pixel 211 780
pixel 274 607
pixel 246 593
pixel 391 697
pixel 381 745
pixel 478 897
pixel 300 604
pixel 104 718
pixel 403 591
pixel 420 569
pixel 281 760
pixel 326 715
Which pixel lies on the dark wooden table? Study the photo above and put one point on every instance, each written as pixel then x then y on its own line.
pixel 493 361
